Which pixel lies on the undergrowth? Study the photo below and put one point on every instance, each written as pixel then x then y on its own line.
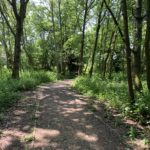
pixel 10 88
pixel 115 94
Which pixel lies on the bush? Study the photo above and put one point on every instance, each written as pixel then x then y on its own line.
pixel 114 92
pixel 9 88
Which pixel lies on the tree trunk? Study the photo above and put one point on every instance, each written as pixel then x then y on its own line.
pixel 96 40
pixel 108 53
pixel 147 45
pixel 6 49
pixel 19 16
pixel 137 46
pixel 61 38
pixel 111 57
pixel 128 51
pixel 83 39
pixel 17 51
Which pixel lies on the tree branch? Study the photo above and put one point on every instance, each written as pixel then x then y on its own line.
pixel 14 7
pixel 115 21
pixel 6 20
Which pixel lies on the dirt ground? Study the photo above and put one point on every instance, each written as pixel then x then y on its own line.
pixel 55 117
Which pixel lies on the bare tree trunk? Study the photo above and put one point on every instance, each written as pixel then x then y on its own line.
pixel 147 45
pixel 128 51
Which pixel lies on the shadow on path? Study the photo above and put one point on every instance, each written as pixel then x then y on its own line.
pixel 55 117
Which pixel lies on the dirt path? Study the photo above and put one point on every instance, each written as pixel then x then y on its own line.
pixel 55 117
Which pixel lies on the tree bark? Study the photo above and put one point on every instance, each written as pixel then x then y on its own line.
pixel 108 53
pixel 83 38
pixel 147 45
pixel 19 16
pixel 6 47
pixel 62 70
pixel 128 51
pixel 96 39
pixel 137 46
pixel 17 51
pixel 115 21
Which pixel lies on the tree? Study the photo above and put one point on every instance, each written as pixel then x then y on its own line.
pixel 137 45
pixel 20 14
pixel 83 38
pixel 147 44
pixel 7 43
pixel 128 51
pixel 88 5
pixel 96 37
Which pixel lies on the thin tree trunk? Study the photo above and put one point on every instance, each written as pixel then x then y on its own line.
pixel 108 53
pixel 115 21
pixel 128 52
pixel 7 50
pixel 96 39
pixel 83 38
pixel 111 57
pixel 61 38
pixel 54 36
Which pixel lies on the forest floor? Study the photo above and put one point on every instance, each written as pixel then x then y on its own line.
pixel 56 117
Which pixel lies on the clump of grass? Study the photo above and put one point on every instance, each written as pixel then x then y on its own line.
pixel 29 138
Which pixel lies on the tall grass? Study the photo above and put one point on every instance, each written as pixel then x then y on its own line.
pixel 10 88
pixel 115 94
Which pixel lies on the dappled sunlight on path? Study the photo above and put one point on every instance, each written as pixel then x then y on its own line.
pixel 55 117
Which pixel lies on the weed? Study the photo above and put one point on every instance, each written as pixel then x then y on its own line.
pixel 29 138
pixel 132 133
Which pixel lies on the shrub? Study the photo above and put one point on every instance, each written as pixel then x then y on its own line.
pixel 9 88
pixel 114 92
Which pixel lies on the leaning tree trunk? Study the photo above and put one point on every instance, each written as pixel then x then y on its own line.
pixel 128 51
pixel 147 45
pixel 96 39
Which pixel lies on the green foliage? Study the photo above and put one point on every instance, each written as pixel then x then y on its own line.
pixel 29 138
pixel 104 89
pixel 114 94
pixel 9 88
pixel 141 109
pixel 132 133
